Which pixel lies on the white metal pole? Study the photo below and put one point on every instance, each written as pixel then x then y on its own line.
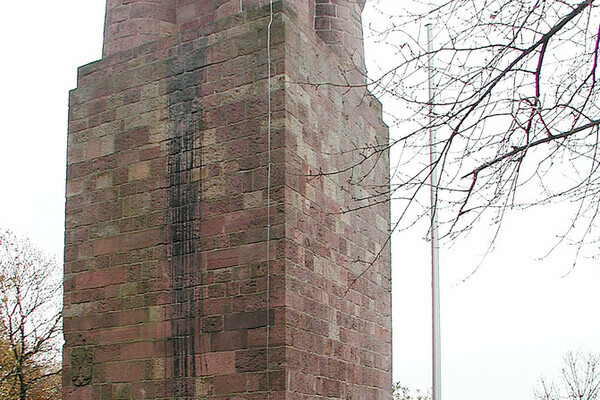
pixel 435 250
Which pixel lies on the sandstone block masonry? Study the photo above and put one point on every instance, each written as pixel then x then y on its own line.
pixel 176 287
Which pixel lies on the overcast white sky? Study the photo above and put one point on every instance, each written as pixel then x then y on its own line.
pixel 501 329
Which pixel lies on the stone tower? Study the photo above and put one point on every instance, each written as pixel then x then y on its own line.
pixel 218 244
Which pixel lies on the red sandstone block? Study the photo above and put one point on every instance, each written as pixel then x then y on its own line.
pixel 143 390
pixel 227 384
pixel 96 107
pixel 258 337
pixel 241 273
pixel 139 170
pixel 162 12
pixel 231 7
pixel 213 291
pixel 100 278
pixel 222 258
pixel 155 330
pixel 125 371
pixel 132 139
pixel 138 350
pixel 120 175
pixel 77 393
pixel 85 250
pixel 78 324
pixel 253 360
pixel 257 382
pixel 322 23
pixel 93 149
pixel 133 317
pixel 217 242
pixel 218 306
pixel 107 320
pixel 106 298
pixel 229 340
pixel 149 153
pixel 247 287
pixel 143 239
pixel 109 245
pixel 212 226
pixel 115 335
pixel 220 363
pixel 186 13
pixel 78 170
pixel 118 14
pixel 248 320
pixel 212 324
pixel 252 253
pixel 108 353
pixel 255 218
pixel 301 382
pixel 330 388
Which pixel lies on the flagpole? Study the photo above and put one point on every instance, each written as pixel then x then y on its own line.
pixel 435 268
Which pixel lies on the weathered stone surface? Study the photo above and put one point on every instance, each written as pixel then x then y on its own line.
pixel 168 284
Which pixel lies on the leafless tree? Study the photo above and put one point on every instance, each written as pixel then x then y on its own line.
pixel 30 320
pixel 579 380
pixel 515 108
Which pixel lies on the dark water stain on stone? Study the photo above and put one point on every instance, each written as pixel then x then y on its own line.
pixel 183 219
